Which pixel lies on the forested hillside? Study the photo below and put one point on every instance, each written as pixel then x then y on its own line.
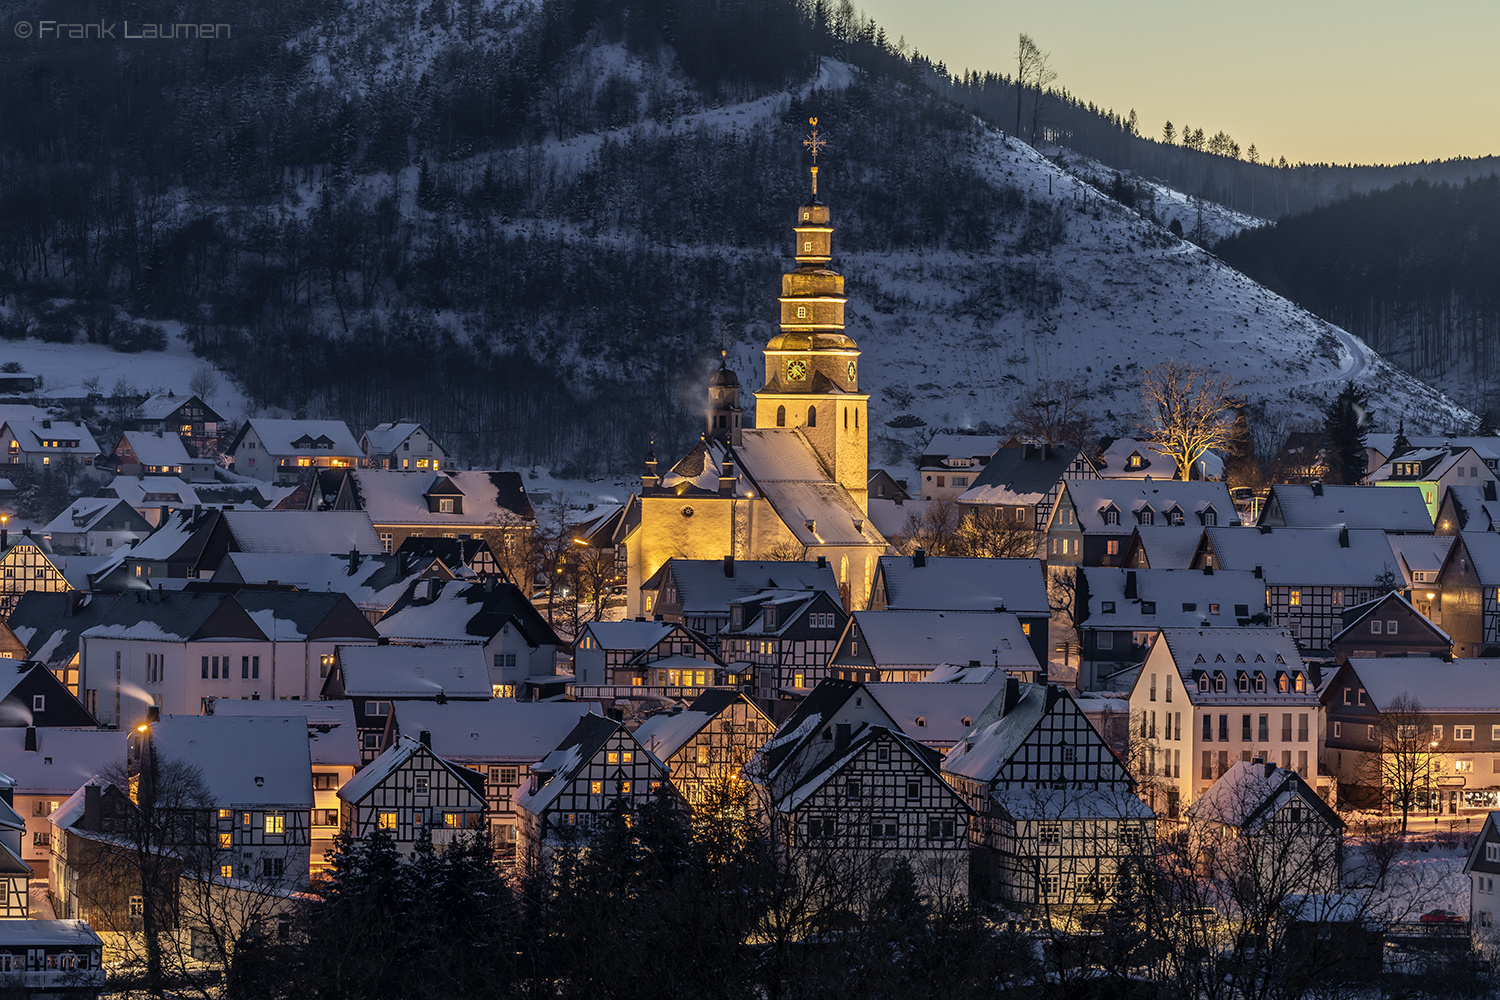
pixel 1411 269
pixel 528 224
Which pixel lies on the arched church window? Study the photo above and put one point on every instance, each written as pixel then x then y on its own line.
pixel 781 416
pixel 856 420
pixel 846 418
pixel 812 416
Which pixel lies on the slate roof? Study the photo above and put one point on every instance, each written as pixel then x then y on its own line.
pixel 501 729
pixel 376 582
pixel 387 437
pixel 333 738
pixel 1020 476
pixel 1250 792
pixel 245 760
pixel 302 531
pixel 1165 547
pixel 173 616
pixel 1464 685
pixel 465 613
pixel 935 713
pixel 997 734
pixel 162 449
pixel 395 497
pixel 935 637
pixel 946 446
pixel 1130 497
pixel 1170 590
pixel 82 515
pixel 702 587
pixel 277 436
pixel 1356 615
pixel 1474 508
pixel 950 583
pixel 784 468
pixel 296 616
pixel 1483 548
pixel 1306 556
pixel 50 623
pixel 810 715
pixel 397 671
pixel 64 758
pixel 1387 508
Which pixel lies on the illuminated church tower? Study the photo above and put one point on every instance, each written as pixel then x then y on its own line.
pixel 812 365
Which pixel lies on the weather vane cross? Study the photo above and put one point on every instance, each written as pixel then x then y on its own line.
pixel 815 144
pixel 724 339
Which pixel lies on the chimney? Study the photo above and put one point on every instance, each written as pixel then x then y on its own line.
pixel 4 537
pixel 1265 529
pixel 165 513
pixel 841 733
pixel 727 478
pixel 729 567
pixel 1027 450
pixel 1489 493
pixel 425 738
pixel 1343 536
pixel 822 562
pixel 919 558
pixel 1208 570
pixel 1317 488
pixel 657 617
pixel 197 513
pixel 353 561
pixel 153 714
pixel 1260 573
pixel 973 663
pixel 93 807
pixel 1047 451
pixel 1131 590
pixel 47 425
pixel 1270 769
pixel 30 746
pixel 434 585
pixel 403 563
pixel 1012 696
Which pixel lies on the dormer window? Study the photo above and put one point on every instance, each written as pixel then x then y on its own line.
pixel 1281 682
pixel 1299 682
pixel 1174 516
pixel 1106 607
pixel 768 615
pixel 1203 683
pixel 1220 682
pixel 1146 516
pixel 1210 516
pixel 445 505
pixel 1260 682
pixel 1134 461
pixel 1111 514
pixel 1244 682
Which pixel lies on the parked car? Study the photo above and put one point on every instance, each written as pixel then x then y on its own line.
pixel 1441 917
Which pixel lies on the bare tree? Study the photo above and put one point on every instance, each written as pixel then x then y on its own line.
pixel 932 529
pixel 994 533
pixel 1033 72
pixel 1189 409
pixel 1406 759
pixel 1268 431
pixel 1054 413
pixel 205 383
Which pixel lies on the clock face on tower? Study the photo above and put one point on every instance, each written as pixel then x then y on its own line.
pixel 851 371
pixel 796 369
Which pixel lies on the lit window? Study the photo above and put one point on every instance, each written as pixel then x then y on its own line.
pixel 1295 598
pixel 224 840
pixel 275 823
pixel 388 821
pixel 624 788
pixel 613 757
pixel 596 788
pixel 226 871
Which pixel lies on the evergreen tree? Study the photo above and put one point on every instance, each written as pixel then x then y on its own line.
pixel 1400 446
pixel 1346 422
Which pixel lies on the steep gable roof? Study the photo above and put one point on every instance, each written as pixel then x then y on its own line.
pixel 1399 508
pixel 397 497
pixel 1305 556
pixel 1250 792
pixel 398 671
pixel 244 760
pixel 465 613
pixel 1130 497
pixel 1022 475
pixel 50 623
pixel 1357 615
pixel 278 436
pixel 950 583
pixel 358 788
pixel 500 729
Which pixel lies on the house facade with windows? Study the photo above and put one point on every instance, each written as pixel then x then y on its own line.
pixel 598 774
pixel 96 527
pixel 1468 593
pixel 921 582
pixel 1056 811
pixel 158 453
pixel 1311 574
pixel 910 645
pixel 1389 626
pixel 700 592
pixel 492 506
pixel 1433 470
pixel 950 463
pixel 47 765
pixel 707 745
pixel 781 641
pixel 1208 697
pixel 519 646
pixel 286 450
pixel 500 739
pixel 1021 483
pixel 189 417
pixel 1452 710
pixel 643 659
pixel 374 678
pixel 402 446
pixel 52 957
pixel 25 567
pixel 1092 520
pixel 15 874
pixel 44 443
pixel 410 794
pixel 1125 607
pixel 1482 866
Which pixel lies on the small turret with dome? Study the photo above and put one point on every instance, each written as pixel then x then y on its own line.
pixel 724 415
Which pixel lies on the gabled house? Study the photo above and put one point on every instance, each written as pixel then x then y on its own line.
pixel 373 678
pixel 1093 520
pixel 883 486
pixel 1433 470
pixel 643 659
pixel 1125 607
pixel 782 639
pixel 1468 593
pixel 488 505
pixel 47 765
pixel 1266 823
pixel 158 453
pixel 950 463
pixel 27 567
pixel 598 772
pixel 707 745
pixel 62 955
pixel 1056 812
pixel 15 874
pixel 461 556
pixel 699 592
pixel 51 626
pixel 411 794
pixel 96 527
pixel 1481 866
pixel 286 450
pixel 189 417
pixel 519 646
pixel 1244 694
pixel 1474 507
pixel 258 774
pixel 500 739
pixel 31 695
pixel 1159 546
pixel 1311 574
pixel 920 582
pixel 1420 558
pixel 1314 505
pixel 1130 458
pixel 1380 446
pixel 937 715
pixel 909 645
pixel 1456 764
pixel 46 443
pixel 402 446
pixel 373 582
pixel 1389 626
pixel 190 544
pixel 1022 483
pixel 11 646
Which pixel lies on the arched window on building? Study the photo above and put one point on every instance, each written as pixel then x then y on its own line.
pixel 781 416
pixel 812 416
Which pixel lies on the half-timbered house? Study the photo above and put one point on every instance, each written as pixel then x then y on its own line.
pixel 1022 482
pixel 15 873
pixel 30 695
pixel 373 678
pixel 26 567
pixel 1056 811
pixel 410 794
pixel 707 745
pixel 52 958
pixel 782 639
pixel 1092 521
pixel 920 582
pixel 598 771
pixel 909 645
pixel 699 592
pixel 643 660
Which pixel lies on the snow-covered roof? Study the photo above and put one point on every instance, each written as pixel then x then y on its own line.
pixel 245 760
pixel 464 613
pixel 50 934
pixel 704 588
pixel 1436 463
pixel 64 758
pixel 1465 685
pixel 386 438
pixel 1166 548
pixel 1251 792
pixel 577 748
pixel 629 635
pixel 395 755
pixel 303 531
pixel 489 498
pixel 277 436
pixel 332 736
pixel 376 582
pixel 1306 556
pixel 945 446
pixel 997 734
pixel 396 671
pixel 1388 508
pixel 666 732
pixel 950 583
pixel 1473 509
pixel 1180 597
pixel 930 638
pixel 31 433
pixel 1021 476
pixel 147 492
pixel 936 714
pixel 1115 462
pixel 81 516
pixel 158 448
pixel 1420 554
pixel 783 466
pixel 1131 499
pixel 1233 650
pixel 497 730
pixel 50 623
pixel 1485 447
pixel 894 519
pixel 959 673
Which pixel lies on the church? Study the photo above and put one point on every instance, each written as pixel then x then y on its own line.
pixel 794 486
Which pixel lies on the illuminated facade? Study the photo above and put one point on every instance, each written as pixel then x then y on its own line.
pixel 795 485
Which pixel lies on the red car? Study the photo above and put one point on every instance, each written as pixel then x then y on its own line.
pixel 1441 917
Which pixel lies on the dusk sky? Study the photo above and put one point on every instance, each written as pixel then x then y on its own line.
pixel 1368 81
